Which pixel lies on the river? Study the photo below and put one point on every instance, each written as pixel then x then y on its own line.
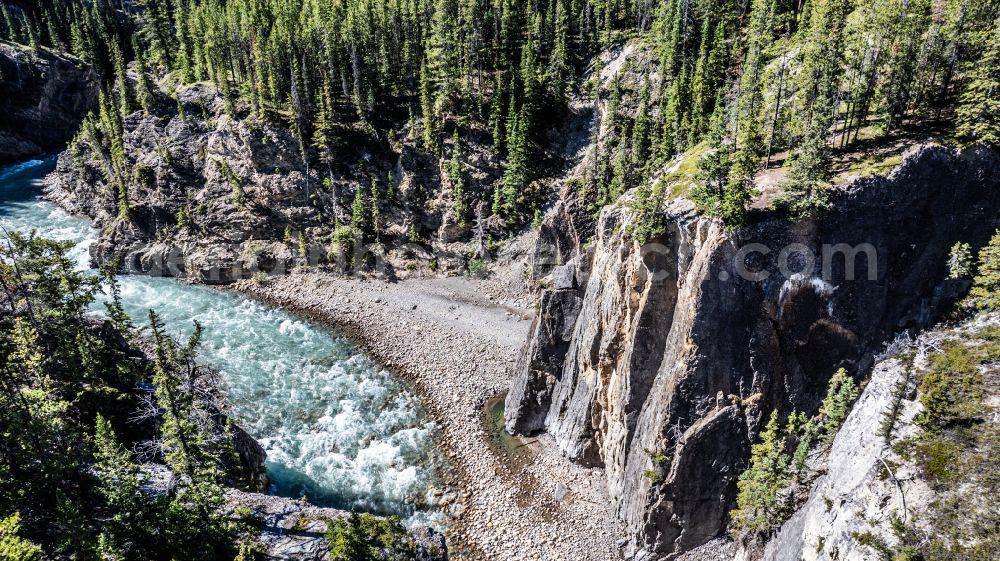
pixel 337 427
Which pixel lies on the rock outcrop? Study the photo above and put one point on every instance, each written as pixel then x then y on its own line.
pixel 45 96
pixel 879 495
pixel 216 195
pixel 250 471
pixel 294 530
pixel 853 489
pixel 680 346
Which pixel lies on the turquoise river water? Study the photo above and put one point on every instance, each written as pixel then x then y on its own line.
pixel 337 427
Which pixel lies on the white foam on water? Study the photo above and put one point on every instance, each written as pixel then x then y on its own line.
pixel 337 427
pixel 20 167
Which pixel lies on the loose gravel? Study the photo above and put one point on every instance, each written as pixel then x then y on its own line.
pixel 456 341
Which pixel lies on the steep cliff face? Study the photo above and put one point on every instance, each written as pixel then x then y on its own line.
pixel 895 485
pixel 45 96
pixel 852 490
pixel 674 350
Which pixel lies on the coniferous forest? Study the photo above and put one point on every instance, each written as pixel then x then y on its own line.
pixel 751 79
pixel 488 94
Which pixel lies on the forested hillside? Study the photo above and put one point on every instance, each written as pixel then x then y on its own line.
pixel 251 137
pixel 751 79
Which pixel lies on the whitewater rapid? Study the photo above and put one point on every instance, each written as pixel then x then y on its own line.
pixel 336 426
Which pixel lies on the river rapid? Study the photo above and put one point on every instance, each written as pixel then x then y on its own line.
pixel 338 428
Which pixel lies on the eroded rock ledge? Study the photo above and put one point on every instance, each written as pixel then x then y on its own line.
pixel 659 362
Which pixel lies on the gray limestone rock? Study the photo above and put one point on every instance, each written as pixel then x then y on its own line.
pixel 766 313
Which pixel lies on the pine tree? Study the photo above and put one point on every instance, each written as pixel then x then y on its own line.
pixel 759 504
pixel 640 130
pixel 986 286
pixel 121 78
pixel 978 114
pixel 359 215
pixel 427 108
pixel 459 209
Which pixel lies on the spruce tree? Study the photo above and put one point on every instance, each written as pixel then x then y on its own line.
pixel 442 47
pixel 375 204
pixel 978 114
pixel 131 511
pixel 759 503
pixel 13 547
pixel 840 395
pixel 561 64
pixel 740 187
pixel 498 105
pixel 708 86
pixel 184 53
pixel 640 130
pixel 713 171
pixel 986 286
pixel 806 184
pixel 808 170
pixel 184 429
pixel 427 109
pixel 323 132
pixel 459 209
pixel 9 29
pixel 515 175
pixel 359 215
pixel 143 93
pixel 121 78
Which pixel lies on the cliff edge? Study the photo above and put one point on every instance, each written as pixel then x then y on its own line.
pixel 660 361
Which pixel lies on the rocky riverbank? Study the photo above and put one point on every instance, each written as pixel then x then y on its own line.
pixel 295 529
pixel 457 341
